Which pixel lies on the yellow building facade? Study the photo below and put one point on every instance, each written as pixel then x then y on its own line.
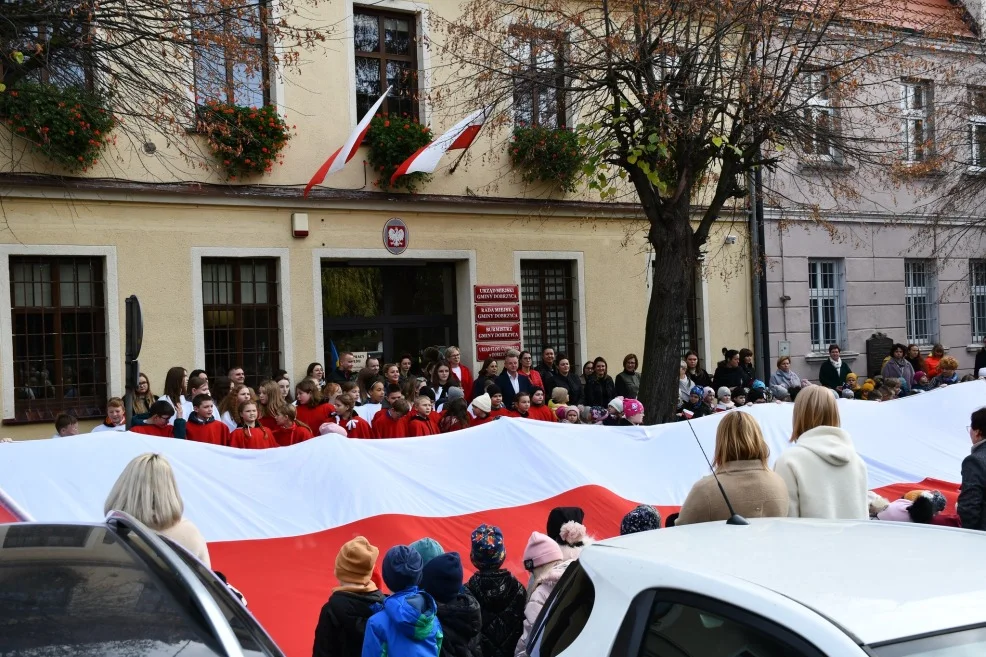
pixel 252 274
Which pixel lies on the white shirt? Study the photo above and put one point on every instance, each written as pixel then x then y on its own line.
pixel 457 371
pixel 514 380
pixel 103 427
pixel 181 401
pixel 228 421
pixel 367 411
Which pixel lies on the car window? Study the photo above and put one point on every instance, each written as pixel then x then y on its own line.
pixel 675 629
pixel 565 613
pixel 964 643
pixel 253 639
pixel 80 591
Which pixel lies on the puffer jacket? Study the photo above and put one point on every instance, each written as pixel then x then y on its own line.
pixel 501 598
pixel 342 623
pixel 972 497
pixel 627 384
pixel 462 624
pixel 542 586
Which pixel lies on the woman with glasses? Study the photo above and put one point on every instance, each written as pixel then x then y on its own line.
pixel 143 397
pixel 454 357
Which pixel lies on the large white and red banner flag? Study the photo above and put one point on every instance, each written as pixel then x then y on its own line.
pixel 459 137
pixel 276 518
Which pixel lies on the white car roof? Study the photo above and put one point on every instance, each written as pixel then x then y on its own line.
pixel 879 581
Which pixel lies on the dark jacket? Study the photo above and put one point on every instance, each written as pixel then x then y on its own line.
pixel 502 599
pixel 507 388
pixel 338 376
pixel 572 383
pixel 980 362
pixel 599 392
pixel 700 377
pixel 342 623
pixel 731 377
pixel 829 378
pixel 462 623
pixel 479 385
pixel 749 374
pixel 549 377
pixel 627 384
pixel 972 496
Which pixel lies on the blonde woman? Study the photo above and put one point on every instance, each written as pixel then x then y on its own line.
pixel 147 491
pixel 825 477
pixel 741 465
pixel 143 397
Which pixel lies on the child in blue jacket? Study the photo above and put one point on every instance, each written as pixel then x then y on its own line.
pixel 407 623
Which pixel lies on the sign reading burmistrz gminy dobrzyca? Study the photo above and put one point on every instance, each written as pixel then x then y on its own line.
pixel 497 332
pixel 498 326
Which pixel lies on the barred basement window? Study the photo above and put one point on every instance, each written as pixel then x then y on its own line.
pixel 58 313
pixel 977 299
pixel 825 303
pixel 242 317
pixel 919 302
pixel 547 291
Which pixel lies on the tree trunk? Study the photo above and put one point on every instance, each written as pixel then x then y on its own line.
pixel 675 258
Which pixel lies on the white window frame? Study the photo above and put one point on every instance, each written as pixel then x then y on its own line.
pixel 920 295
pixel 816 316
pixel 912 117
pixel 977 121
pixel 977 293
pixel 818 101
pixel 114 364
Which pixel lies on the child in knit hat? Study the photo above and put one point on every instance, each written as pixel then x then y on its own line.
pixel 500 595
pixel 342 622
pixel 566 528
pixel 615 412
pixel 544 560
pixel 408 624
pixel 725 399
pixel 633 412
pixel 428 548
pixel 641 519
pixel 458 610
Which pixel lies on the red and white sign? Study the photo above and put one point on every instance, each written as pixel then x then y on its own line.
pixel 395 236
pixel 496 350
pixel 498 312
pixel 497 332
pixel 496 293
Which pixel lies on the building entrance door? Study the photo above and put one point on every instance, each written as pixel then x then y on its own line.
pixel 388 309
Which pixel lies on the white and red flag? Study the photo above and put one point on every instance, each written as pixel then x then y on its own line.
pixel 275 519
pixel 460 136
pixel 348 150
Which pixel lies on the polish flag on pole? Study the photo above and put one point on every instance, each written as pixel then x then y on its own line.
pixel 461 136
pixel 338 159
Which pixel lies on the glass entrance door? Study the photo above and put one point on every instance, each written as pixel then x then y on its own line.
pixel 388 309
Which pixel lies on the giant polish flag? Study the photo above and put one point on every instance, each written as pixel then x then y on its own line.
pixel 348 150
pixel 460 136
pixel 275 519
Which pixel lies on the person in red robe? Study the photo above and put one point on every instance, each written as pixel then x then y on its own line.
pixel 202 425
pixel 346 417
pixel 420 423
pixel 540 411
pixel 311 409
pixel 289 430
pixel 392 422
pixel 480 410
pixel 496 402
pixel 454 357
pixel 251 434
pixel 522 405
pixel 157 422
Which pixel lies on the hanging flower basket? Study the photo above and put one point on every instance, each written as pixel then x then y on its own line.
pixel 69 126
pixel 546 155
pixel 392 139
pixel 246 141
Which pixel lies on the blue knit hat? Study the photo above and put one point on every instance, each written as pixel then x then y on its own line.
pixel 442 577
pixel 401 568
pixel 428 548
pixel 488 551
pixel 698 390
pixel 641 519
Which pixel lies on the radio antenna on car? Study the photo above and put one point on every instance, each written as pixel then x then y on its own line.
pixel 734 518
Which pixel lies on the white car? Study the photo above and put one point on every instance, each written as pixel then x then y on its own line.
pixel 777 587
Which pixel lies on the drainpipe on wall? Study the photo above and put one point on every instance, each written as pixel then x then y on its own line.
pixel 761 345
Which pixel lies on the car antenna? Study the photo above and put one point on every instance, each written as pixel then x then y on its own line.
pixel 734 518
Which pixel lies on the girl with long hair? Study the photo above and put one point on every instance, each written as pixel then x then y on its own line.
pixel 441 380
pixel 311 410
pixel 456 417
pixel 143 397
pixel 290 430
pixel 269 403
pixel 175 383
pixel 346 417
pixel 250 434
pixel 229 406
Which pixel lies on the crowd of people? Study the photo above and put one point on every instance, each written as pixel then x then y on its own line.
pixel 387 400
pixel 432 609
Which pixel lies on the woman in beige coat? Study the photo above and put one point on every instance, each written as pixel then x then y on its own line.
pixel 741 464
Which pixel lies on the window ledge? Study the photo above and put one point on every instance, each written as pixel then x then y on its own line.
pixel 975 171
pixel 822 164
pixel 972 348
pixel 815 357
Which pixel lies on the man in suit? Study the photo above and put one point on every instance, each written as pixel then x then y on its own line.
pixel 511 381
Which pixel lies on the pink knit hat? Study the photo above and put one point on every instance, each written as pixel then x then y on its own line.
pixel 632 407
pixel 541 549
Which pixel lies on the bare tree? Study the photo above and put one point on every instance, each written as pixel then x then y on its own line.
pixel 154 61
pixel 680 103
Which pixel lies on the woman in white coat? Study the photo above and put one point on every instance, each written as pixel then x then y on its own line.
pixel 825 477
